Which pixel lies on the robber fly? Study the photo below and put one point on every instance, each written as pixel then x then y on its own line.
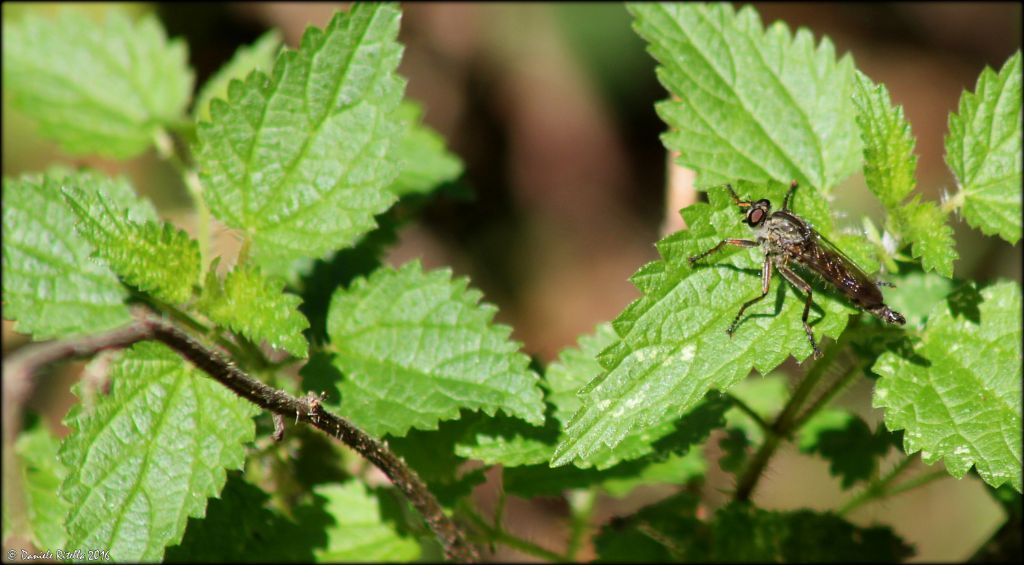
pixel 786 237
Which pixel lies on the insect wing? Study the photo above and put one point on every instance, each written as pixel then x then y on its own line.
pixel 828 261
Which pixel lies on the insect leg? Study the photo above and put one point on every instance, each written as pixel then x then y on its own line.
pixel 766 281
pixel 789 195
pixel 736 198
pixel 721 244
pixel 801 284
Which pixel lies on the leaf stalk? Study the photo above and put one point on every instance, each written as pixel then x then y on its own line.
pixel 499 534
pixel 581 503
pixel 881 488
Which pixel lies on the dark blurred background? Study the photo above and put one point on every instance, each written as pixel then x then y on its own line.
pixel 551 108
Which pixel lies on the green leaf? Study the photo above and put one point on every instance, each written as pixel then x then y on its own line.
pixel 149 454
pixel 924 224
pixel 744 533
pixel 750 103
pixel 512 443
pixel 958 395
pixel 360 532
pixel 647 536
pixel 324 276
pixel 51 285
pixel 102 193
pixel 425 162
pixel 983 149
pixel 882 246
pixel 673 347
pixel 889 165
pixel 577 367
pixel 435 457
pixel 675 470
pixel 257 533
pixel 256 57
pixel 889 160
pixel 318 458
pixel 916 295
pixel 41 475
pixel 155 257
pixel 765 396
pixel 530 481
pixel 845 440
pixel 670 531
pixel 256 307
pixel 670 436
pixel 300 160
pixel 508 441
pixel 416 347
pixel 734 450
pixel 96 88
pixel 574 368
pixel 638 458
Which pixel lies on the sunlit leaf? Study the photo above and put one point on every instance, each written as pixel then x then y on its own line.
pixel 957 396
pixel 104 88
pixel 983 149
pixel 300 160
pixel 148 455
pixel 747 102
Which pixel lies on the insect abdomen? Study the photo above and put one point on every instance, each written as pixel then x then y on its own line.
pixel 887 314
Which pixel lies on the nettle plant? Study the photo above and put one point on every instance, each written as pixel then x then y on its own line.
pixel 204 434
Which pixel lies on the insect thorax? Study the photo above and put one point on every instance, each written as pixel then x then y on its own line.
pixel 781 233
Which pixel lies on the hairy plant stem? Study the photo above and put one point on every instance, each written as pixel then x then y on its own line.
pixel 881 488
pixel 581 504
pixel 783 425
pixel 954 203
pixel 499 509
pixel 746 409
pixel 241 348
pixel 185 319
pixel 918 481
pixel 169 151
pixel 498 534
pixel 25 362
pixel 850 369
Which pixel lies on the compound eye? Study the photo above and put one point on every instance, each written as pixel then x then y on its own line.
pixel 756 216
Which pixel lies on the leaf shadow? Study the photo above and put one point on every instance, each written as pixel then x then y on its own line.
pixel 693 427
pixel 338 270
pixel 260 533
pixel 321 376
pixel 904 347
pixel 780 299
pixel 871 341
pixel 780 295
pixel 964 301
